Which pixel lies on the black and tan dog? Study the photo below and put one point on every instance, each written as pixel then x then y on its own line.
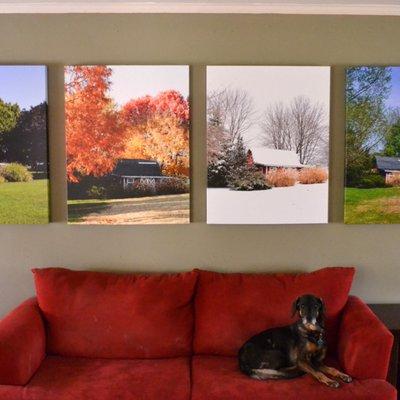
pixel 294 350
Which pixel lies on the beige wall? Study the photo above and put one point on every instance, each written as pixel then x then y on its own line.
pixel 199 40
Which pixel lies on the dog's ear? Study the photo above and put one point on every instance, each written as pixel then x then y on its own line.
pixel 295 307
pixel 323 309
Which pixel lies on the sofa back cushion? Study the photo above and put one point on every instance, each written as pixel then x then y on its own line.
pixel 230 308
pixel 106 315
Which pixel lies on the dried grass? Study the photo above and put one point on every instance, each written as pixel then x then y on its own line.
pixel 309 176
pixel 282 177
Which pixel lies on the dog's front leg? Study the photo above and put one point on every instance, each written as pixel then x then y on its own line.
pixel 320 376
pixel 335 373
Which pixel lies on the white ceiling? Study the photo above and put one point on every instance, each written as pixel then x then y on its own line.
pixel 350 7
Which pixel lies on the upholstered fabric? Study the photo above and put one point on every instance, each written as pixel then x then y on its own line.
pixel 22 344
pixel 90 379
pixel 230 308
pixel 364 342
pixel 134 337
pixel 218 378
pixel 106 315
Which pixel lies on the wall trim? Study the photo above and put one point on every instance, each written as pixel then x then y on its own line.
pixel 216 7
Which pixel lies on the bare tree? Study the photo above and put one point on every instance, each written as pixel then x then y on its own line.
pixel 232 110
pixel 308 127
pixel 299 127
pixel 276 127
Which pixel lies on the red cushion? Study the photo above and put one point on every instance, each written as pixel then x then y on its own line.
pixel 90 379
pixel 218 378
pixel 22 343
pixel 230 308
pixel 105 315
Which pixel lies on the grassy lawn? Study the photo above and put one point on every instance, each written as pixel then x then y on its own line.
pixel 372 206
pixel 24 202
pixel 142 210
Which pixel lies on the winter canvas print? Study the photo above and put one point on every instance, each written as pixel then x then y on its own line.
pixel 267 144
pixel 372 194
pixel 24 183
pixel 127 133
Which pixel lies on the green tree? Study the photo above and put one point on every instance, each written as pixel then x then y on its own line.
pixel 26 143
pixel 367 123
pixel 9 114
pixel 392 146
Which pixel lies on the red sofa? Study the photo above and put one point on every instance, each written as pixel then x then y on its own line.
pixel 103 336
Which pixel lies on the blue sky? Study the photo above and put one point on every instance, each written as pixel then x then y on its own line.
pixel 25 85
pixel 394 98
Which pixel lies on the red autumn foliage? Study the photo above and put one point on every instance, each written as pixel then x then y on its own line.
pixel 94 132
pixel 98 134
pixel 158 128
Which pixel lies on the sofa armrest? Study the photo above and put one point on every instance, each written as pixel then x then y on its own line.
pixel 22 344
pixel 365 343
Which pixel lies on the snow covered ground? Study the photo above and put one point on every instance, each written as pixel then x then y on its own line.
pixel 299 204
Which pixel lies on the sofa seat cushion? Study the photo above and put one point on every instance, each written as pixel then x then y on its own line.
pixel 102 379
pixel 218 378
pixel 230 308
pixel 108 315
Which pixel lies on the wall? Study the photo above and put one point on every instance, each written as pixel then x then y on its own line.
pixel 199 40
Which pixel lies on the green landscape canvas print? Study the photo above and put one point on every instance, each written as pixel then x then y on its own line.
pixel 372 193
pixel 24 184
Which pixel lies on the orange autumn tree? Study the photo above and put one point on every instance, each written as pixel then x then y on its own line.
pixel 158 128
pixel 94 130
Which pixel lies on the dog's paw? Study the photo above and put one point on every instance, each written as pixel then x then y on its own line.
pixel 346 378
pixel 332 384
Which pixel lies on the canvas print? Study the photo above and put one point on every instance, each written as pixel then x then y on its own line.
pixel 127 133
pixel 267 144
pixel 372 194
pixel 24 184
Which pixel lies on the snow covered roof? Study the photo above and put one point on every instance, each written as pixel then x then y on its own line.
pixel 275 158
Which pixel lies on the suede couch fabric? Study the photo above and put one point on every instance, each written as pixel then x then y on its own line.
pixel 365 344
pixel 161 306
pixel 218 378
pixel 107 315
pixel 230 308
pixel 62 378
pixel 22 344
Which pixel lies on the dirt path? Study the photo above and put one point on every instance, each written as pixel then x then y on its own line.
pixel 173 209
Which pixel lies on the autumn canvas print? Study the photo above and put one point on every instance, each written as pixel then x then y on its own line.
pixel 127 133
pixel 24 184
pixel 267 144
pixel 372 194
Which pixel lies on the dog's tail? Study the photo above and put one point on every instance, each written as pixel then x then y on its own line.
pixel 284 373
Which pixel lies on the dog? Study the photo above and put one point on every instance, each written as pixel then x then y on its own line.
pixel 294 350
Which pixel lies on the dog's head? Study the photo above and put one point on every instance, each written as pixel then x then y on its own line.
pixel 311 310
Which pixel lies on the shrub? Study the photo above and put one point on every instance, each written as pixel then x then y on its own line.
pixel 97 192
pixel 371 180
pixel 173 186
pixel 282 177
pixel 15 172
pixel 217 174
pixel 393 179
pixel 2 179
pixel 159 187
pixel 142 188
pixel 247 178
pixel 309 176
